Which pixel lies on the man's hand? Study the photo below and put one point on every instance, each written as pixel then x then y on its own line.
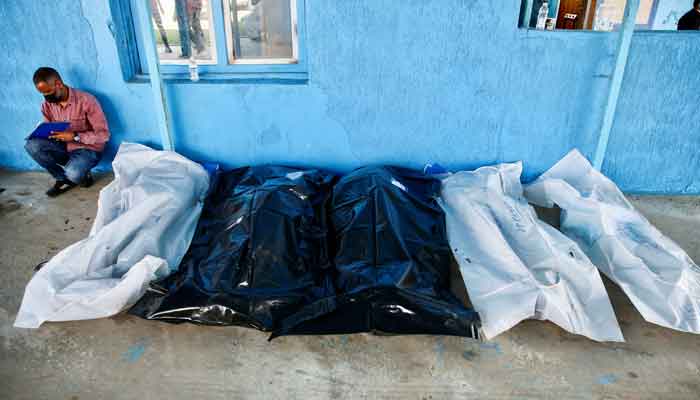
pixel 62 136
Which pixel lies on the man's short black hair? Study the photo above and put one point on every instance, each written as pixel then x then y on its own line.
pixel 45 74
pixel 696 3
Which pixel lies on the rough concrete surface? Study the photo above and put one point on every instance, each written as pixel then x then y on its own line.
pixel 125 357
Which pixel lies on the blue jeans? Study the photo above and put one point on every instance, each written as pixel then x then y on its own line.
pixel 63 165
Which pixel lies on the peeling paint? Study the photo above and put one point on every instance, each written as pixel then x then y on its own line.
pixel 136 350
pixel 607 379
pixel 270 136
pixel 440 353
pixel 491 346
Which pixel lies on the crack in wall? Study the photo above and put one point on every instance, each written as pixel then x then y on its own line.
pixel 94 43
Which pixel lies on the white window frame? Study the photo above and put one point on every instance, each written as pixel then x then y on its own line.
pixel 259 70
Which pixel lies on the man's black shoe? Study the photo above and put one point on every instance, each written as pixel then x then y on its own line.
pixel 59 187
pixel 87 181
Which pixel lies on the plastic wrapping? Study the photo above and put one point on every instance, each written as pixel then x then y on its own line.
pixel 145 220
pixel 259 254
pixel 391 261
pixel 657 275
pixel 264 257
pixel 517 267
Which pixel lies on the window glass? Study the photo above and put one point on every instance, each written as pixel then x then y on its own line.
pixel 183 29
pixel 261 29
pixel 607 15
pixel 670 15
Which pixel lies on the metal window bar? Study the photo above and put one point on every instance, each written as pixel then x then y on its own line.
pixel 233 34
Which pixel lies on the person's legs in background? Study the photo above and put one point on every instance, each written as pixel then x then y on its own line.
pixel 161 29
pixel 184 28
pixel 196 32
pixel 79 164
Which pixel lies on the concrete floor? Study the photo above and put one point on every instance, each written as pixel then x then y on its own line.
pixel 128 358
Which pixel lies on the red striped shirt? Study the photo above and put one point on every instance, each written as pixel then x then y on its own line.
pixel 86 119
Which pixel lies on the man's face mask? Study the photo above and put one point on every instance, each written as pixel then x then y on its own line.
pixel 54 97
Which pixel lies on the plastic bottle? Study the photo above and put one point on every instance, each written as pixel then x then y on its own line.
pixel 194 70
pixel 542 15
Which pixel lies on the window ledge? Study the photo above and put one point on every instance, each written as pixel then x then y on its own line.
pixel 532 32
pixel 667 32
pixel 289 78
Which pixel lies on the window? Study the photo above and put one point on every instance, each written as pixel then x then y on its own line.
pixel 605 15
pixel 183 29
pixel 261 30
pixel 234 39
pixel 664 15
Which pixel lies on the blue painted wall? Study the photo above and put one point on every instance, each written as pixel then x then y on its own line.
pixel 390 82
pixel 81 46
pixel 655 142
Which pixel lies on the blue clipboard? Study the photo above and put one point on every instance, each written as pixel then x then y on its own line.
pixel 46 128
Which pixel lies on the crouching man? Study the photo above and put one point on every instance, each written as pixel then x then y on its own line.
pixel 70 155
